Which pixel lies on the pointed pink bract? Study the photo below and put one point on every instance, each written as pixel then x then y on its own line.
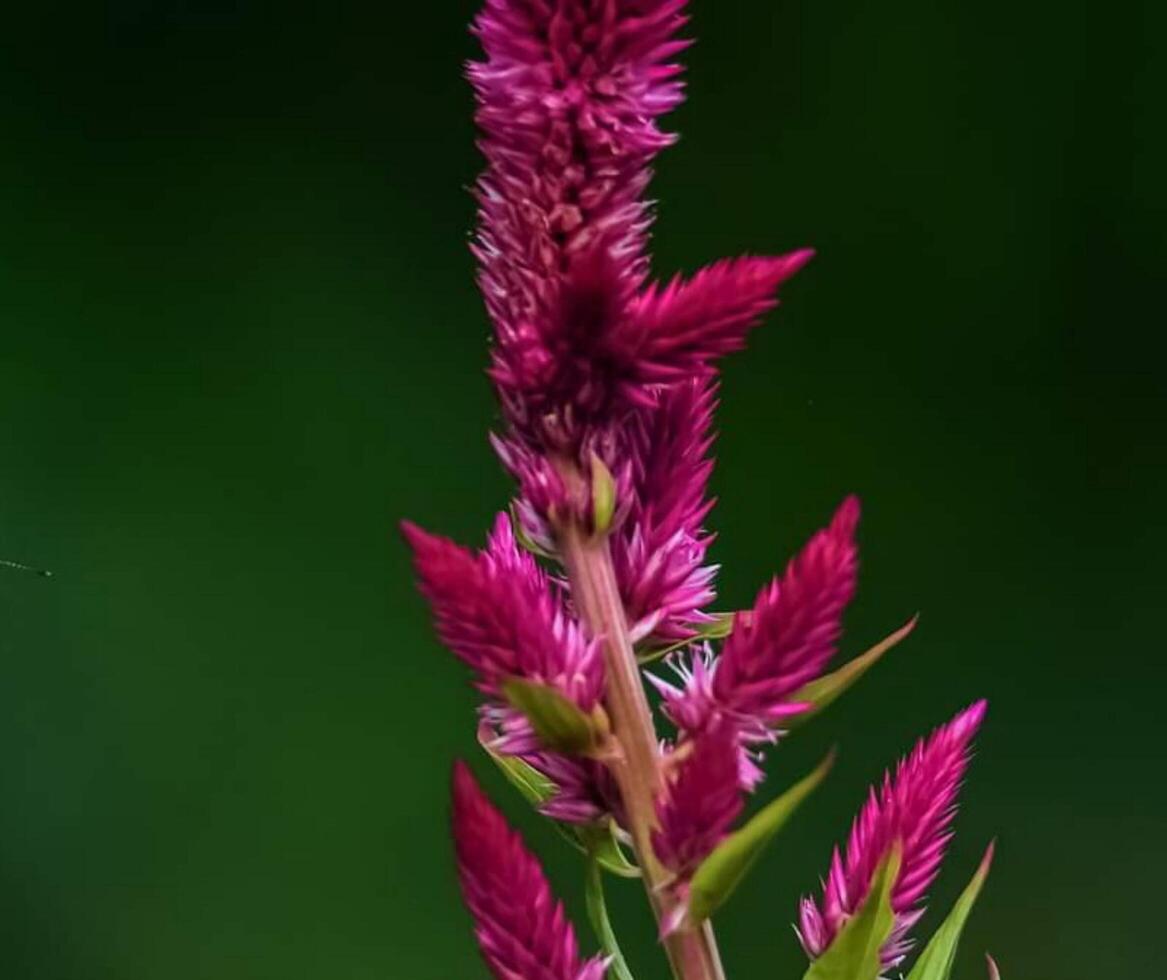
pixel 496 611
pixel 916 808
pixel 790 635
pixel 521 929
pixel 679 330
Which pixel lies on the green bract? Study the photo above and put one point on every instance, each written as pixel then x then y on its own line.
pixel 854 954
pixel 560 724
pixel 724 869
pixel 935 963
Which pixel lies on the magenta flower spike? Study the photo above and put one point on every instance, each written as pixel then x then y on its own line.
pixel 659 548
pixel 608 385
pixel 568 101
pixel 782 643
pixel 687 325
pixel 915 807
pixel 791 633
pixel 701 801
pixel 521 929
pixel 497 612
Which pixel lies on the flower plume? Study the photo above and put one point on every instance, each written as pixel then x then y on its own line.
pixel 659 549
pixel 521 929
pixel 496 611
pixel 569 97
pixel 700 802
pixel 679 330
pixel 915 807
pixel 782 643
pixel 608 385
pixel 790 634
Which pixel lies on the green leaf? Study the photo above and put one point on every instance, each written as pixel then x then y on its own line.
pixel 560 724
pixel 599 839
pixel 598 914
pixel 732 859
pixel 523 539
pixel 535 788
pixel 935 963
pixel 717 629
pixel 603 495
pixel 602 840
pixel 828 688
pixel 854 953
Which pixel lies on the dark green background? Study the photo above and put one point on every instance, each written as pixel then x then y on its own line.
pixel 241 341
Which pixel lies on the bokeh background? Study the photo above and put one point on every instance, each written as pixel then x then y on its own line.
pixel 240 341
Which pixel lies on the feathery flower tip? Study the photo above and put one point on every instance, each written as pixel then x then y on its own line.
pixel 678 331
pixel 782 643
pixel 568 98
pixel 521 929
pixel 790 634
pixel 496 611
pixel 915 807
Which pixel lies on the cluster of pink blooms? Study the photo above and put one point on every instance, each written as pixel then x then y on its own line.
pixel 602 373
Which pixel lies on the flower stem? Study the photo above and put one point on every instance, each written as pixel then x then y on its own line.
pixel 692 951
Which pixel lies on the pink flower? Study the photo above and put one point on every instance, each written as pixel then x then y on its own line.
pixel 783 643
pixel 568 100
pixel 916 808
pixel 791 633
pixel 700 801
pixel 569 97
pixel 497 612
pixel 521 929
pixel 679 330
pixel 659 547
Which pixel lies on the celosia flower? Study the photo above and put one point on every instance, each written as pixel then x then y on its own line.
pixel 915 808
pixel 607 379
pixel 781 644
pixel 497 612
pixel 700 802
pixel 568 98
pixel 677 331
pixel 791 632
pixel 659 547
pixel 521 929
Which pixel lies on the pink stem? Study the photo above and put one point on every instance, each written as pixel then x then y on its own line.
pixel 692 951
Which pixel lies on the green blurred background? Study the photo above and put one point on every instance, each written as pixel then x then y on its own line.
pixel 241 341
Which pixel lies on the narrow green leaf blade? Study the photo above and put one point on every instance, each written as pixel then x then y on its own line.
pixel 825 690
pixel 598 914
pixel 935 963
pixel 534 787
pixel 854 954
pixel 558 722
pixel 601 840
pixel 603 495
pixel 523 539
pixel 720 873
